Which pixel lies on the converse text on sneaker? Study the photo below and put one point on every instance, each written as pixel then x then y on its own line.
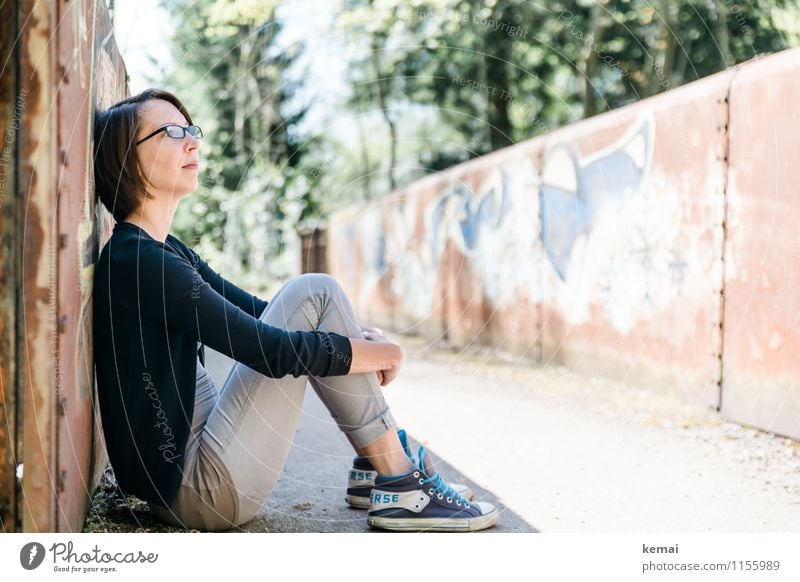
pixel 421 501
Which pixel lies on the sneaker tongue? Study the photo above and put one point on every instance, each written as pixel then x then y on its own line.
pixel 401 434
pixel 424 462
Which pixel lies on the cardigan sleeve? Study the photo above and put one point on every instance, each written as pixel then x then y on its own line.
pixel 158 283
pixel 247 302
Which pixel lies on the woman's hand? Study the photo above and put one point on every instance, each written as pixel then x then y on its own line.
pixel 372 333
pixel 386 376
pixel 375 334
pixel 387 366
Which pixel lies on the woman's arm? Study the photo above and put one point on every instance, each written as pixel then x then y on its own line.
pixel 376 355
pixel 249 303
pixel 162 285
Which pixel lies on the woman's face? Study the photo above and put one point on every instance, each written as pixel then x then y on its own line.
pixel 170 165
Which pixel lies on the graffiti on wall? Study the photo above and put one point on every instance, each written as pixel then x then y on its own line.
pixel 482 226
pixel 575 189
pixel 605 228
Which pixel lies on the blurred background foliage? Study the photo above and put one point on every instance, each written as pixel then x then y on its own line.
pixel 309 106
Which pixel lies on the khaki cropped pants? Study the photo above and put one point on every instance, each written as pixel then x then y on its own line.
pixel 241 434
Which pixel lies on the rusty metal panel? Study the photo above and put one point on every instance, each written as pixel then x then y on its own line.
pixel 604 246
pixel 341 251
pixel 761 379
pixel 109 85
pixel 508 251
pixel 378 302
pixel 67 61
pixel 11 110
pixel 598 247
pixel 38 293
pixel 73 363
pixel 410 261
pixel 493 275
pixel 632 205
pixel 452 256
pixel 354 255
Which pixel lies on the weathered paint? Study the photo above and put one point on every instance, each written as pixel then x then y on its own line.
pixel 11 110
pixel 598 246
pixel 38 310
pixel 60 230
pixel 76 252
pixel 761 376
pixel 639 295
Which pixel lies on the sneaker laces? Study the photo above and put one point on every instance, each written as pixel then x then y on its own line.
pixel 440 486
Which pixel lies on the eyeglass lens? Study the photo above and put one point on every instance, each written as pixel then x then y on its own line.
pixel 178 132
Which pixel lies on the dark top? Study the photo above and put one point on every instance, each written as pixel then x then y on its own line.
pixel 153 303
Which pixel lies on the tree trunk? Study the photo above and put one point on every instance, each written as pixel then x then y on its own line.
pixel 496 62
pixel 591 60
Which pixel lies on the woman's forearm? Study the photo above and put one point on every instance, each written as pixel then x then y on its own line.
pixel 371 356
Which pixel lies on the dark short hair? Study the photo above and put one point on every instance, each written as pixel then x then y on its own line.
pixel 118 178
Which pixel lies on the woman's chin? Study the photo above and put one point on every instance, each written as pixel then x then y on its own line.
pixel 188 190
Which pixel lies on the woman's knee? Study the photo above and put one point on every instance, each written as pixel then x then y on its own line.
pixel 317 283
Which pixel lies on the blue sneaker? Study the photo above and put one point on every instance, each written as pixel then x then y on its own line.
pixel 362 478
pixel 422 501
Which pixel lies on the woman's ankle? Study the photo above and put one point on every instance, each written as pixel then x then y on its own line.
pixel 387 456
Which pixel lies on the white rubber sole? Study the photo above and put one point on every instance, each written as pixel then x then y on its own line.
pixel 359 502
pixel 435 523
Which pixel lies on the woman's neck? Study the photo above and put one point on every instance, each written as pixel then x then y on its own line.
pixel 154 220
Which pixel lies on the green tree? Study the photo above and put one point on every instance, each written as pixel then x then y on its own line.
pixel 230 67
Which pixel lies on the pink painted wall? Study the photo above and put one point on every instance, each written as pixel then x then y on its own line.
pixel 603 246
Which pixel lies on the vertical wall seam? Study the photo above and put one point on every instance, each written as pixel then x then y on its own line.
pixel 725 182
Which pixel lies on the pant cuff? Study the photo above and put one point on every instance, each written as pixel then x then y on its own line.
pixel 373 430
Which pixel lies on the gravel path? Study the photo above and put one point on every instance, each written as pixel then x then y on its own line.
pixel 555 450
pixel 569 452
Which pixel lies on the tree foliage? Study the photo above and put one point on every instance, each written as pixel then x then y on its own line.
pixel 428 84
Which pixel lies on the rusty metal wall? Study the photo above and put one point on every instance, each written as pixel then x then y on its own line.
pixel 52 230
pixel 10 112
pixel 761 376
pixel 84 40
pixel 634 291
pixel 598 246
pixel 37 287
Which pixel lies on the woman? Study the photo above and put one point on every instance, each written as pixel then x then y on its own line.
pixel 206 459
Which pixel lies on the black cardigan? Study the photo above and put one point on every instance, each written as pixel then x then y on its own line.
pixel 153 303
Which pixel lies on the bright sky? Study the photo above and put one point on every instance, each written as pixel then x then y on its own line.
pixel 142 33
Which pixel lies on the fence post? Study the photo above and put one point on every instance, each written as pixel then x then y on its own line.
pixel 312 249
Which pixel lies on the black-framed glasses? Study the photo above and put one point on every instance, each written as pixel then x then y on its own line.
pixel 175 132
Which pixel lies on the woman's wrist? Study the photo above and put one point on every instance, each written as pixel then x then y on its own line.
pixel 372 356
